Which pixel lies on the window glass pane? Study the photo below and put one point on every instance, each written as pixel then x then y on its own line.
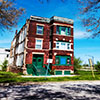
pixel 38 46
pixel 39 60
pixel 34 60
pixel 57 30
pixel 68 46
pixel 62 60
pixel 57 46
pixel 68 60
pixel 57 43
pixel 63 43
pixel 63 30
pixel 39 29
pixel 69 31
pixel 38 40
pixel 57 60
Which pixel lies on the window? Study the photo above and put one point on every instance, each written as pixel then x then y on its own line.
pixel 57 45
pixel 62 30
pixel 68 61
pixel 63 60
pixel 68 46
pixel 39 29
pixel 38 44
pixel 63 45
pixel 57 60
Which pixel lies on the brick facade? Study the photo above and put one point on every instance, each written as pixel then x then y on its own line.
pixel 48 37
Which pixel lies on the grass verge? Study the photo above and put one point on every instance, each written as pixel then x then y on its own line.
pixel 9 77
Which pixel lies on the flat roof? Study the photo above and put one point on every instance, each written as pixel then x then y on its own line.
pixel 54 18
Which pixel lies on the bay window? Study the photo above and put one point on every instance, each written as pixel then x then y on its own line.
pixel 63 30
pixel 63 45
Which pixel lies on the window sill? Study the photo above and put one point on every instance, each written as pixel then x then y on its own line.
pixel 37 49
pixel 61 65
pixel 38 34
pixel 62 49
pixel 62 35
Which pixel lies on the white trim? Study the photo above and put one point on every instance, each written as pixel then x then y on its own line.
pixel 71 71
pixel 37 53
pixel 71 55
pixel 65 70
pixel 40 24
pixel 63 50
pixel 55 54
pixel 64 39
pixel 70 40
pixel 63 25
pixel 63 35
pixel 39 38
pixel 56 38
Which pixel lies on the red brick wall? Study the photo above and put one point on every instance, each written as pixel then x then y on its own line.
pixel 32 39
pixel 62 52
pixel 46 38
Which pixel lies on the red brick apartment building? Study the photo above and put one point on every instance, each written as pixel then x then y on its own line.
pixel 43 46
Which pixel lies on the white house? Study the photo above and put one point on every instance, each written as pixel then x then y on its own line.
pixel 4 54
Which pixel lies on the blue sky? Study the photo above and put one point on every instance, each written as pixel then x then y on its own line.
pixel 68 9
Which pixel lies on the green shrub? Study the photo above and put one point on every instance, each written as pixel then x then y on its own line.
pixel 77 64
pixel 97 66
pixel 52 72
pixel 4 65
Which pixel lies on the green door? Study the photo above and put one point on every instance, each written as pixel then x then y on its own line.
pixel 38 61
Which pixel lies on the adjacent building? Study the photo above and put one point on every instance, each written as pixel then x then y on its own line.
pixel 4 55
pixel 43 45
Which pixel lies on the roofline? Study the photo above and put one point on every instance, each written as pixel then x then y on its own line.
pixel 53 18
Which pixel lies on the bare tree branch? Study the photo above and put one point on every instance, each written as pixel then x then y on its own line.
pixel 9 15
pixel 90 11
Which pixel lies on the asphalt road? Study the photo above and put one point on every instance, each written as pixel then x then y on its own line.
pixel 72 90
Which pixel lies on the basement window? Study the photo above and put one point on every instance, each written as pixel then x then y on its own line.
pixel 62 30
pixel 38 44
pixel 39 29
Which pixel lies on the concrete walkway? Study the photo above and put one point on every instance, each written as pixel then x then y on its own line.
pixel 48 76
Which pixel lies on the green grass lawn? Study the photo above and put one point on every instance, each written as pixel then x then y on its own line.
pixel 8 77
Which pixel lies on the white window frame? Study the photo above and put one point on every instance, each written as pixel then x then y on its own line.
pixel 59 45
pixel 38 43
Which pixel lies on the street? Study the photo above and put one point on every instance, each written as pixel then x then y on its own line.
pixel 71 90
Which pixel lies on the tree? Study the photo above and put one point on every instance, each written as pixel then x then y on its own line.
pixel 4 65
pixel 97 66
pixel 77 64
pixel 9 14
pixel 90 11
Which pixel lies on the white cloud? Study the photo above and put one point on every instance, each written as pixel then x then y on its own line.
pixel 81 34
